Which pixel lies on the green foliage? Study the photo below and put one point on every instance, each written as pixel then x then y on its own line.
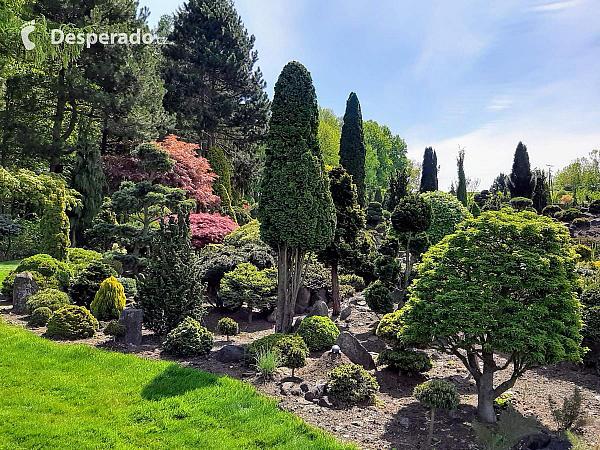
pixel 413 214
pixel 129 286
pixel 109 301
pixel 329 136
pixel 114 328
pixel 379 298
pixel 591 321
pixel 520 181
pixel 46 266
pixel 520 203
pixel 541 190
pixel 566 416
pixel 552 210
pixel 584 252
pixel 475 210
pixel 461 190
pixel 84 287
pixel 228 327
pixel 54 226
pixel 358 283
pixel 398 188
pixel 374 214
pixel 447 213
pixel 408 361
pixel 222 185
pixel 258 288
pixel 347 291
pixel 41 282
pixel 80 258
pixel 387 270
pixel 72 322
pixel 504 401
pixel 581 222
pixel 352 146
pixel 189 338
pixel 389 328
pixel 49 298
pixel 171 288
pixel 267 361
pixel 264 343
pixel 511 428
pixel 317 275
pixel 568 215
pixel 40 317
pixel 246 234
pixel 352 383
pixel 318 332
pixel 437 394
pixel 429 176
pixel 293 351
pixel 153 160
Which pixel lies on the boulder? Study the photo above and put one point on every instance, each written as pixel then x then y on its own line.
pixel 541 441
pixel 320 295
pixel 132 319
pixel 230 354
pixel 319 309
pixel 325 402
pixel 316 392
pixel 304 386
pixel 271 318
pixel 24 287
pixel 303 300
pixel 354 350
pixel 345 313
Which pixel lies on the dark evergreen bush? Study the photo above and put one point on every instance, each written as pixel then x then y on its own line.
pixel 568 215
pixel 551 210
pixel 189 338
pixel 114 328
pixel 581 222
pixel 40 317
pixel 84 287
pixel 228 327
pixel 408 361
pixel 379 298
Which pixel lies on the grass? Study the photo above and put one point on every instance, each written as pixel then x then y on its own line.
pixel 7 266
pixel 71 396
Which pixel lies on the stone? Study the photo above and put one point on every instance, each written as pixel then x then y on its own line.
pixel 345 313
pixel 24 287
pixel 303 300
pixel 318 295
pixel 297 323
pixel 398 297
pixel 296 392
pixel 541 441
pixel 286 388
pixel 304 386
pixel 272 317
pixel 325 402
pixel 230 354
pixel 354 350
pixel 357 298
pixel 319 309
pixel 132 319
pixel 404 422
pixel 315 393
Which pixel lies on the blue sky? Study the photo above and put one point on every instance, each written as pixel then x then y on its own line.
pixel 480 74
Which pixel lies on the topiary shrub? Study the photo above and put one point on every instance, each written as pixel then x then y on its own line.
pixel 46 266
pixel 114 328
pixel 581 222
pixel 447 212
pixel 352 383
pixel 568 215
pixel 80 258
pixel 358 283
pixel 41 282
pixel 258 288
pixel 49 298
pixel 389 327
pixel 189 338
pixel 129 286
pixel 374 215
pixel 228 327
pixel 109 300
pixel 520 203
pixel 318 332
pixel 407 361
pixel 551 210
pixel 84 287
pixel 267 342
pixel 584 252
pixel 40 317
pixel 317 275
pixel 293 351
pixel 379 298
pixel 72 322
pixel 595 207
pixel 436 394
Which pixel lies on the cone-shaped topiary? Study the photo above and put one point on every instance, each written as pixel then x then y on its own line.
pixel 109 300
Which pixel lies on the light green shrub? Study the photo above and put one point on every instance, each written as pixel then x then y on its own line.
pixel 72 322
pixel 109 300
pixel 318 332
pixel 408 361
pixel 49 298
pixel 352 383
pixel 189 338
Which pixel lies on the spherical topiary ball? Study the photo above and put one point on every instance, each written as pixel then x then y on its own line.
pixel 227 327
pixel 189 338
pixel 72 322
pixel 318 332
pixel 437 394
pixel 40 317
pixel 379 298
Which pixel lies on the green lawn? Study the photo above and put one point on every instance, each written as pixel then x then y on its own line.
pixel 7 266
pixel 57 396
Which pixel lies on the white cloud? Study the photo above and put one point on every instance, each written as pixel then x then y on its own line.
pixel 557 6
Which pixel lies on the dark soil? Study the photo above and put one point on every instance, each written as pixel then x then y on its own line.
pixel 396 420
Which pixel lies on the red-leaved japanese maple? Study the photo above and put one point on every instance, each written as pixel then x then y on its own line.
pixel 210 228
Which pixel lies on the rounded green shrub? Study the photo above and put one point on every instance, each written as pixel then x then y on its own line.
pixel 129 286
pixel 262 344
pixel 581 222
pixel 40 317
pixel 48 267
pixel 591 323
pixel 408 361
pixel 189 338
pixel 109 300
pixel 293 351
pixel 49 298
pixel 41 282
pixel 568 215
pixel 437 394
pixel 590 297
pixel 346 291
pixel 379 298
pixel 584 252
pixel 80 258
pixel 84 287
pixel 72 322
pixel 521 203
pixel 389 327
pixel 351 383
pixel 358 283
pixel 387 270
pixel 317 275
pixel 228 327
pixel 447 212
pixel 318 332
pixel 551 210
pixel 258 288
pixel 114 328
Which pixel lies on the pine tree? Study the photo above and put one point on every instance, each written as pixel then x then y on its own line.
pixel 398 189
pixel 461 190
pixel 295 210
pixel 352 146
pixel 429 178
pixel 520 182
pixel 541 191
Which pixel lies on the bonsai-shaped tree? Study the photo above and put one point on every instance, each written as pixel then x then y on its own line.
pixel 228 327
pixel 412 215
pixel 503 284
pixel 437 394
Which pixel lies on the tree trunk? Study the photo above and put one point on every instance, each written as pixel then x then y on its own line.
pixel 485 396
pixel 335 289
pixel 407 269
pixel 289 274
pixel 431 423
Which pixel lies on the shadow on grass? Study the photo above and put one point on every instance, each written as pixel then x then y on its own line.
pixel 175 381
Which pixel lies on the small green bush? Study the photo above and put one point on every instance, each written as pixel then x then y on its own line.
pixel 80 258
pixel 389 327
pixel 266 342
pixel 114 328
pixel 521 203
pixel 358 283
pixel 40 316
pixel 437 394
pixel 475 210
pixel 47 266
pixel 227 327
pixel 317 275
pixel 551 210
pixel 72 322
pixel 129 286
pixel 570 412
pixel 584 252
pixel 352 383
pixel 379 298
pixel 293 351
pixel 591 323
pixel 49 298
pixel 189 338
pixel 318 332
pixel 109 300
pixel 581 222
pixel 41 282
pixel 346 291
pixel 258 288
pixel 408 361
pixel 84 287
pixel 568 215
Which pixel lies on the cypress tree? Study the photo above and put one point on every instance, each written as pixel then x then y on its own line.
pixel 520 181
pixel 295 210
pixel 429 179
pixel 352 146
pixel 541 190
pixel 222 185
pixel 461 190
pixel 398 189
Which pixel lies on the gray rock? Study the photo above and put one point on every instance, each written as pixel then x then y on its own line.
pixel 297 392
pixel 325 402
pixel 315 393
pixel 357 298
pixel 272 317
pixel 345 313
pixel 230 354
pixel 319 309
pixel 354 350
pixel 24 287
pixel 541 441
pixel 297 323
pixel 319 295
pixel 398 296
pixel 132 319
pixel 286 388
pixel 304 386
pixel 404 422
pixel 303 300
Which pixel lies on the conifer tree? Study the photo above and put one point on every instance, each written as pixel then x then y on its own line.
pixel 429 178
pixel 520 181
pixel 222 185
pixel 461 190
pixel 398 189
pixel 541 191
pixel 295 210
pixel 352 146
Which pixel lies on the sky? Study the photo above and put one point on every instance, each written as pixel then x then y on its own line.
pixel 482 75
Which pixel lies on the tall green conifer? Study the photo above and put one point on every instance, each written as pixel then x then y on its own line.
pixel 429 178
pixel 520 181
pixel 352 146
pixel 461 190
